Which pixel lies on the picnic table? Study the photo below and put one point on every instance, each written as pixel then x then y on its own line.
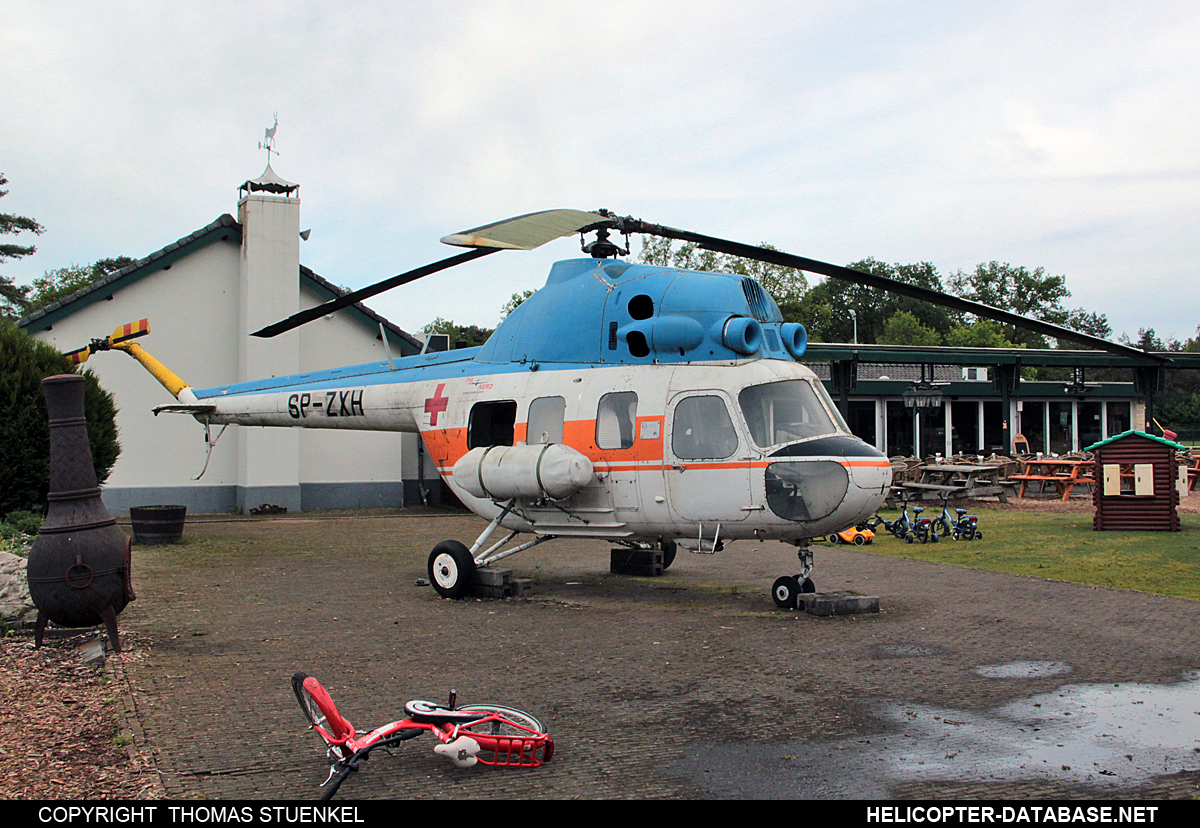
pixel 1064 474
pixel 953 480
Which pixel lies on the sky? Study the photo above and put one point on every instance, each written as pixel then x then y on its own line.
pixel 1047 134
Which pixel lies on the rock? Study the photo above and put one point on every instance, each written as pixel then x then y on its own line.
pixel 15 603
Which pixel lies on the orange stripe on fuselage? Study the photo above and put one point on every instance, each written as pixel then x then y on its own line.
pixel 446 446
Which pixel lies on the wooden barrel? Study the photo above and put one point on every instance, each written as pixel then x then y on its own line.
pixel 157 524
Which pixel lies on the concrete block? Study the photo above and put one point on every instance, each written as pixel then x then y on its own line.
pixel 522 587
pixel 644 562
pixel 493 576
pixel 837 603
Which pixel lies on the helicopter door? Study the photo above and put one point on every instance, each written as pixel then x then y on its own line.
pixel 708 467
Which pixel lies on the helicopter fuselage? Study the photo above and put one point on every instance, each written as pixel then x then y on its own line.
pixel 755 447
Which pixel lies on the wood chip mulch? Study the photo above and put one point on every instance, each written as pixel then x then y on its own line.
pixel 63 731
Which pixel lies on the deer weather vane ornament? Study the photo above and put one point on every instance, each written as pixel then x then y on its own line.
pixel 268 142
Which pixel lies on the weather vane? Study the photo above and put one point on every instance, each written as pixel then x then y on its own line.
pixel 268 143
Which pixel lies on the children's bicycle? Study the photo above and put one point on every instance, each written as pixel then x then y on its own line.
pixel 902 527
pixel 923 527
pixel 487 734
pixel 964 527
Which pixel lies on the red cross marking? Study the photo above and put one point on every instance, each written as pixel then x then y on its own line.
pixel 436 404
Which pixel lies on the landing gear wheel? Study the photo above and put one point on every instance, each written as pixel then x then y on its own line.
pixel 452 570
pixel 808 586
pixel 669 549
pixel 785 591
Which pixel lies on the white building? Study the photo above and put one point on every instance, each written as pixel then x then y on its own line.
pixel 203 295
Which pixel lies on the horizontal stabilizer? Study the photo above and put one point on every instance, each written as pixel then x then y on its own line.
pixel 185 408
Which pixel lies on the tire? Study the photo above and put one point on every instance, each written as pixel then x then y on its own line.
pixel 941 527
pixel 910 537
pixel 320 710
pixel 859 540
pixel 452 570
pixel 899 531
pixel 669 549
pixel 979 536
pixel 808 587
pixel 494 728
pixel 785 591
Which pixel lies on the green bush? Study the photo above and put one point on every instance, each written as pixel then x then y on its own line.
pixel 25 522
pixel 24 426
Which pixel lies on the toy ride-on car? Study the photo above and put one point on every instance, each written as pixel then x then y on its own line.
pixel 857 535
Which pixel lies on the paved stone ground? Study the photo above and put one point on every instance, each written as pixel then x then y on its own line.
pixel 688 685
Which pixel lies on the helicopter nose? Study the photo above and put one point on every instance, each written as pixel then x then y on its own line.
pixel 826 478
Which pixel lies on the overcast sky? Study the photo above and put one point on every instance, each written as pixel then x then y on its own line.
pixel 1047 134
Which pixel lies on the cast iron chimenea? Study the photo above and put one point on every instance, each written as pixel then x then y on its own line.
pixel 79 565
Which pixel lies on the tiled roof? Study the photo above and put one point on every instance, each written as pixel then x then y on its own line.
pixel 220 229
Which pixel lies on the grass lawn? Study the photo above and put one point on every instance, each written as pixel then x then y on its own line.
pixel 1063 545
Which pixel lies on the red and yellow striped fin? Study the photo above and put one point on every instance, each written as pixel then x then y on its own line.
pixel 133 330
pixel 79 355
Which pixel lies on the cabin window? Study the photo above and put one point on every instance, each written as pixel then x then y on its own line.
pixel 545 420
pixel 780 412
pixel 615 418
pixel 491 424
pixel 702 429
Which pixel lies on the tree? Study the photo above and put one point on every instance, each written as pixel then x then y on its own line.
pixel 982 334
pixel 13 296
pixel 515 301
pixel 1030 293
pixel 24 426
pixel 63 281
pixel 787 285
pixel 461 336
pixel 903 328
pixel 874 307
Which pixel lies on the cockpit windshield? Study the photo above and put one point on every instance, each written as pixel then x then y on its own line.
pixel 781 412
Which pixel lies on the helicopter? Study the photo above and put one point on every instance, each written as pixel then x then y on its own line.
pixel 647 406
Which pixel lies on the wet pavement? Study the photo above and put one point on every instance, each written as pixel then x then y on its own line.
pixel 967 683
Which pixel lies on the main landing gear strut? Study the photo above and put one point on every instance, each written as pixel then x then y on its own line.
pixel 786 590
pixel 452 566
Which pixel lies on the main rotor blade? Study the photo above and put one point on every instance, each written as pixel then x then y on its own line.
pixel 298 319
pixel 527 232
pixel 747 251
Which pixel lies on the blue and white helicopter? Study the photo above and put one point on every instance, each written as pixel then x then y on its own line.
pixel 641 405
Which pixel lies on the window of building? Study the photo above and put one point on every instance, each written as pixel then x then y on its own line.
pixel 1119 419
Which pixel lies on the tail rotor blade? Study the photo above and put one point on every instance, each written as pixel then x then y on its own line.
pixel 133 330
pixel 79 355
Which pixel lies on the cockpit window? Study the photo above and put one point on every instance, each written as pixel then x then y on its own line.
pixel 780 412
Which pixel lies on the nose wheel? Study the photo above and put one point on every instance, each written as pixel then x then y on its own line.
pixel 786 591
